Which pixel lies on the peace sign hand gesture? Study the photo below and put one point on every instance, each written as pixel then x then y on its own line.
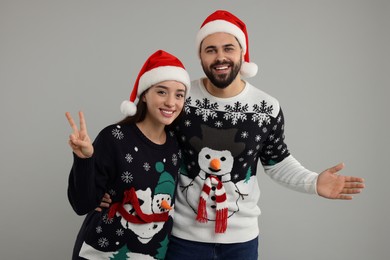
pixel 79 140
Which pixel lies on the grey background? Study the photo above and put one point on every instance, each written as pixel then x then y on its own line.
pixel 326 61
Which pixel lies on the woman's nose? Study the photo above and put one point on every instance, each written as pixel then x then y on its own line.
pixel 170 101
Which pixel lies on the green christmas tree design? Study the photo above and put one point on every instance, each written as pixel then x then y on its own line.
pixel 248 175
pixel 121 254
pixel 163 249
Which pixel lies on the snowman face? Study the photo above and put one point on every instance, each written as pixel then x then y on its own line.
pixel 215 162
pixel 158 203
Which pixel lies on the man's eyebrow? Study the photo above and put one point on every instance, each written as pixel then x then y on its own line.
pixel 224 46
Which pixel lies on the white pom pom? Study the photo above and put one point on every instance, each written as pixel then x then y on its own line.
pixel 128 108
pixel 248 69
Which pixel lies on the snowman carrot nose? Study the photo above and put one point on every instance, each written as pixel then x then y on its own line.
pixel 215 164
pixel 165 205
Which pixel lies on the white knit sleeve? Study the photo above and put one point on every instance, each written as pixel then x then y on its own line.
pixel 291 174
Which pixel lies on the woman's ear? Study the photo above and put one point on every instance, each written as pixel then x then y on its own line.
pixel 143 96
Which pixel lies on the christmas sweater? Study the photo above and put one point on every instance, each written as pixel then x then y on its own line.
pixel 141 178
pixel 222 141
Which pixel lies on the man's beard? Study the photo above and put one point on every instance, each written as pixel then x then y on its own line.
pixel 222 80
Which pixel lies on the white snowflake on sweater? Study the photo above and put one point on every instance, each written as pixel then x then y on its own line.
pixel 262 113
pixel 99 229
pixel 235 113
pixel 119 232
pixel 187 123
pixel 107 220
pixel 187 104
pixel 129 158
pixel 112 192
pixel 218 124
pixel 117 134
pixel 206 109
pixel 174 159
pixel 127 177
pixel 146 166
pixel 244 134
pixel 103 242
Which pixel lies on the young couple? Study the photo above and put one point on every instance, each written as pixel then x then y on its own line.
pixel 176 178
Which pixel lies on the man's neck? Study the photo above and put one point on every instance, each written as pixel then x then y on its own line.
pixel 232 90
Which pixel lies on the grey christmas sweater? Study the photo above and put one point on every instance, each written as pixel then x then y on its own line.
pixel 139 175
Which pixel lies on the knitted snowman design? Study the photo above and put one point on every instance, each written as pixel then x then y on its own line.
pixel 158 203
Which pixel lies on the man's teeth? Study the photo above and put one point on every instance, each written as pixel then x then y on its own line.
pixel 221 68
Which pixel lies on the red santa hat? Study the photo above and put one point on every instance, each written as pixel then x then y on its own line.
pixel 223 21
pixel 160 66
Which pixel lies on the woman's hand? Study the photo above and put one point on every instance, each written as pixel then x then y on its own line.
pixel 79 140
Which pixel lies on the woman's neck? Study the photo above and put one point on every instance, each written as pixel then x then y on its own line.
pixel 156 134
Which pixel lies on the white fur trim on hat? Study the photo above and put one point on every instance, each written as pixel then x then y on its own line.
pixel 220 26
pixel 161 74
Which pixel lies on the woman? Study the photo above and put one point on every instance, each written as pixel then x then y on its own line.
pixel 137 162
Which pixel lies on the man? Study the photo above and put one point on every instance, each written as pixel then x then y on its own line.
pixel 228 126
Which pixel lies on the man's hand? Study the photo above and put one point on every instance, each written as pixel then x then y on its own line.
pixel 105 203
pixel 331 185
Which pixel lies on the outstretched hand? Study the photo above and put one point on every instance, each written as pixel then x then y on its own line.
pixel 79 140
pixel 331 185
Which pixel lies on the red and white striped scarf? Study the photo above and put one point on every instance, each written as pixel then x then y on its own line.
pixel 221 201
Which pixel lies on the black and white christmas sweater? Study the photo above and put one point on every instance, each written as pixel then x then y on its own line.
pixel 222 141
pixel 141 178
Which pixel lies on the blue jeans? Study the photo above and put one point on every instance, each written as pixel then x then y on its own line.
pixel 179 249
